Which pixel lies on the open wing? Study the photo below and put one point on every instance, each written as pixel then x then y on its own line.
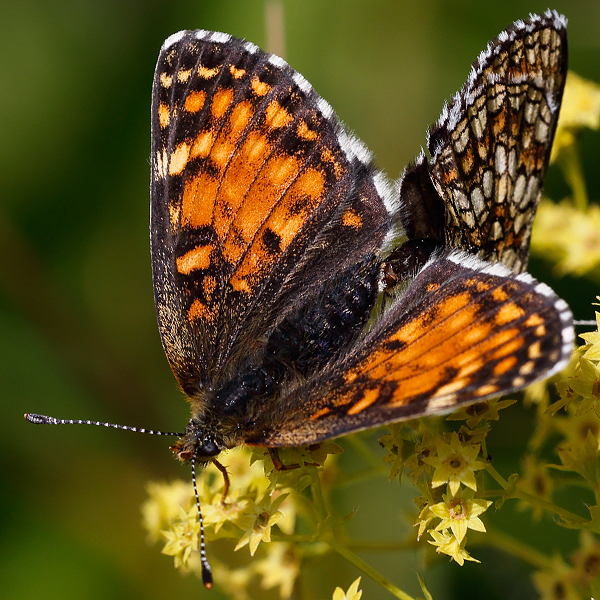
pixel 253 178
pixel 465 331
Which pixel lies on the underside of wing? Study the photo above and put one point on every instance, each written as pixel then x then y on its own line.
pixel 253 177
pixel 491 146
pixel 464 331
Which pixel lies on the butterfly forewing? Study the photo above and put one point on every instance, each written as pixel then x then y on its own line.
pixel 250 173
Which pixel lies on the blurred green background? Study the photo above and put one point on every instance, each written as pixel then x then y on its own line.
pixel 78 336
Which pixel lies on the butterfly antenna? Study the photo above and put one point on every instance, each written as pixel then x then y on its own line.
pixel 207 578
pixel 585 323
pixel 45 420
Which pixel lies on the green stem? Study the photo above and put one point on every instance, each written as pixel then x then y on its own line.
pixel 497 477
pixel 531 499
pixel 484 451
pixel 317 493
pixel 557 510
pixel 515 548
pixel 369 570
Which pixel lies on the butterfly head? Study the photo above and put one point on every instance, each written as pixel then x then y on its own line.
pixel 198 440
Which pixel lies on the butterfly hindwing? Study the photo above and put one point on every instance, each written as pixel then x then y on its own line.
pixel 254 182
pixel 490 148
pixel 464 331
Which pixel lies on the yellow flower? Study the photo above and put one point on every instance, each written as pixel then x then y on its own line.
pixel 426 448
pixel 586 383
pixel 263 516
pixel 235 582
pixel 582 458
pixel 424 503
pixel 164 505
pixel 473 436
pixel 313 455
pixel 556 583
pixel 244 474
pixel 586 560
pixel 568 236
pixel 353 592
pixel 580 108
pixel 233 510
pixel 395 444
pixel 446 543
pixel 455 464
pixel 592 341
pixel 567 397
pixel 460 512
pixel 280 568
pixel 575 428
pixel 475 413
pixel 182 538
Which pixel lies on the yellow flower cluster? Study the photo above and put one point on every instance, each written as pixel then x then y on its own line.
pixel 257 503
pixel 449 459
pixel 568 233
pixel 575 418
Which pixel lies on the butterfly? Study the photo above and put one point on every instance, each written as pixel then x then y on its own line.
pixel 269 223
pixel 271 232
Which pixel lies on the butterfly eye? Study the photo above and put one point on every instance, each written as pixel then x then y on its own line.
pixel 209 448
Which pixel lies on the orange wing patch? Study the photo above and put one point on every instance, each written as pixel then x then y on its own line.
pixel 236 73
pixel 164 116
pixel 277 116
pixel 220 102
pixel 166 80
pixel 202 144
pixel 260 88
pixel 194 260
pixel 198 202
pixel 178 159
pixel 352 219
pixel 271 209
pixel 195 101
pixel 184 75
pixel 304 132
pixel 206 73
pixel 438 353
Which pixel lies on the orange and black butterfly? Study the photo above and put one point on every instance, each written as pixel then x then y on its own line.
pixel 271 233
pixel 269 227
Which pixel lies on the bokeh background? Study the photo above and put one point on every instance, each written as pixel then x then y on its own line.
pixel 78 336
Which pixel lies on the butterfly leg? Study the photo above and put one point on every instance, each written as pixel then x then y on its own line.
pixel 274 454
pixel 223 470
